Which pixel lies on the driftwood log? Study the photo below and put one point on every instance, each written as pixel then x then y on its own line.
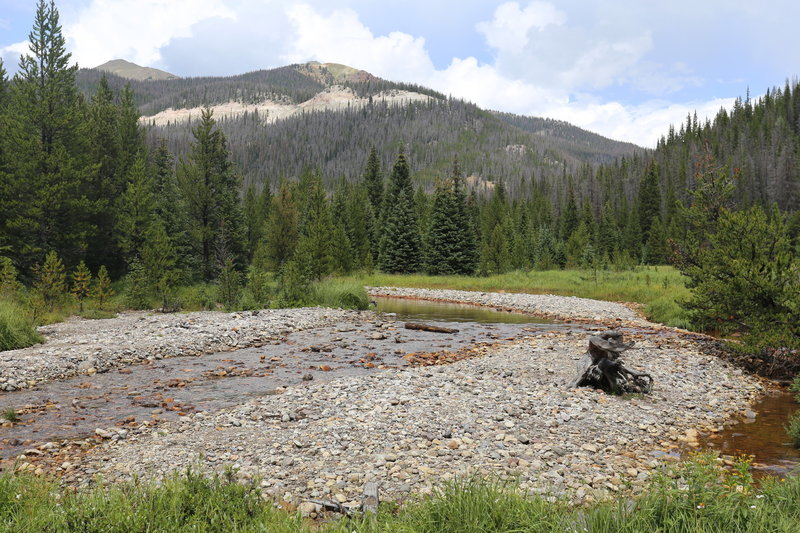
pixel 601 368
pixel 428 327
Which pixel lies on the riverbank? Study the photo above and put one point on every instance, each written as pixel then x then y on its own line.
pixel 505 411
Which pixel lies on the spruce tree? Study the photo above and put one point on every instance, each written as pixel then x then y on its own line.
pixel 283 228
pixel 373 180
pixel 136 209
pixel 9 285
pixel 443 232
pixel 102 288
pixel 106 183
pixel 360 225
pixel 400 247
pixel 649 200
pixel 81 283
pixel 210 187
pixel 160 263
pixel 495 255
pixel 315 245
pixel 451 242
pixel 51 280
pixel 41 203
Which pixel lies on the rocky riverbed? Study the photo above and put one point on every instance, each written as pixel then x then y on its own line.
pixel 79 346
pixel 505 411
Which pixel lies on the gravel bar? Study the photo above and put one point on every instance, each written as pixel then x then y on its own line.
pixel 569 308
pixel 80 346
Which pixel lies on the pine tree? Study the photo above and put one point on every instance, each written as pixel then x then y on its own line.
pixel 160 263
pixel 4 86
pixel 81 283
pixel 315 245
pixel 400 246
pixel 136 209
pixel 283 228
pixel 649 200
pixel 51 280
pixel 106 184
pixel 210 187
pixel 41 203
pixel 373 180
pixel 102 289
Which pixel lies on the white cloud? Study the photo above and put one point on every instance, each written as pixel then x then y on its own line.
pixel 509 28
pixel 586 62
pixel 341 37
pixel 135 30
pixel 10 55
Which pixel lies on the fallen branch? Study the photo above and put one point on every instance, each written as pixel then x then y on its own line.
pixel 428 327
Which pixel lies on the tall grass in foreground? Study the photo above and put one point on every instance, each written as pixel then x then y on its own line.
pixel 16 329
pixel 657 289
pixel 697 496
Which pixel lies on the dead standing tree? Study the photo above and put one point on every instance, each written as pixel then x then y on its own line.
pixel 601 368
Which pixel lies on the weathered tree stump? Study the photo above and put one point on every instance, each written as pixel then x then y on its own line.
pixel 601 367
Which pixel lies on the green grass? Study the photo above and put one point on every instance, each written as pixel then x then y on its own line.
pixel 16 329
pixel 339 293
pixel 793 428
pixel 10 415
pixel 697 496
pixel 657 289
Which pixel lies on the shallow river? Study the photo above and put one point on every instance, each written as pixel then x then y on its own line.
pixel 169 388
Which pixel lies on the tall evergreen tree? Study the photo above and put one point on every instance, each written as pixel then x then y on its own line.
pixel 649 200
pixel 451 241
pixel 373 180
pixel 283 229
pixel 106 183
pixel 315 245
pixel 136 209
pixel 400 248
pixel 210 187
pixel 41 205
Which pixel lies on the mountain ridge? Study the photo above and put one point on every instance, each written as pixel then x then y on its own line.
pixel 126 69
pixel 326 116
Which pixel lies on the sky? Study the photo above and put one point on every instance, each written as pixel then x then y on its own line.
pixel 626 69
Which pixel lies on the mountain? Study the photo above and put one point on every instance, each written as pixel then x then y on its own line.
pixel 132 71
pixel 327 116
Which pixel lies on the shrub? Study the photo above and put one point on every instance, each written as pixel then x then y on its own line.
pixel 795 388
pixel 793 428
pixel 347 295
pixel 16 328
pixel 229 286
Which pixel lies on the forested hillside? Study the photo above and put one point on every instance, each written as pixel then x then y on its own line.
pixel 491 146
